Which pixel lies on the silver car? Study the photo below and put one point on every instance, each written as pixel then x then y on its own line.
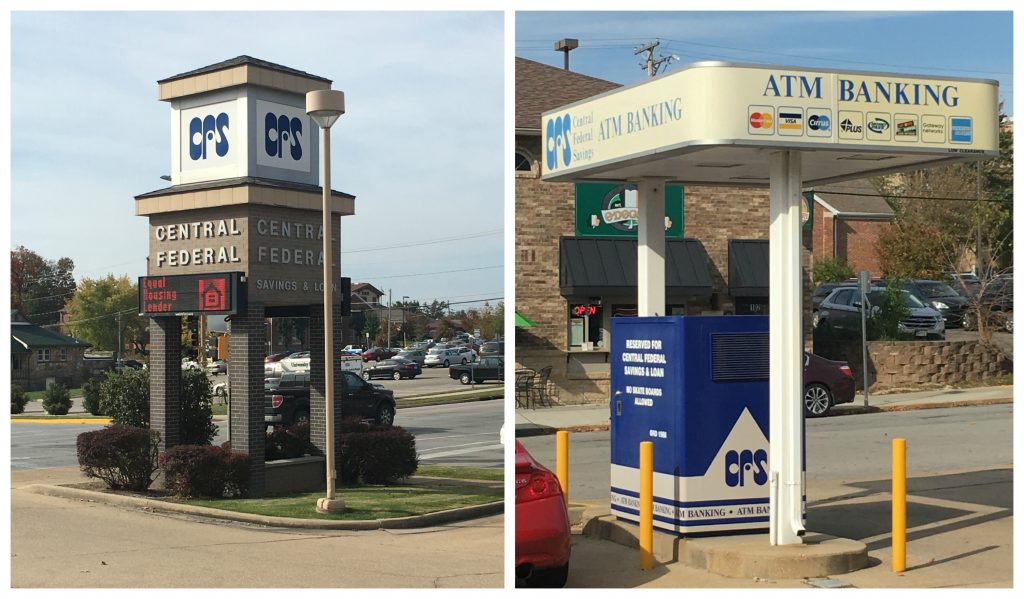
pixel 413 355
pixel 841 310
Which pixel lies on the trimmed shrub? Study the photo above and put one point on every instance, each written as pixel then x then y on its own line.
pixel 56 400
pixel 205 471
pixel 285 443
pixel 197 426
pixel 124 396
pixel 376 454
pixel 91 397
pixel 18 400
pixel 124 457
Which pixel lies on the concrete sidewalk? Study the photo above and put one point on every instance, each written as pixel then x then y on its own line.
pixel 545 421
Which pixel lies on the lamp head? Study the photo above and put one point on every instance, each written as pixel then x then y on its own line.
pixel 325 106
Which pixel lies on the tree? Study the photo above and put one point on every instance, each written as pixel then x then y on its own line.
pixel 40 287
pixel 435 310
pixel 371 325
pixel 100 305
pixel 932 237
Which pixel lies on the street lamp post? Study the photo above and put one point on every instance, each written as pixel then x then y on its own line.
pixel 325 106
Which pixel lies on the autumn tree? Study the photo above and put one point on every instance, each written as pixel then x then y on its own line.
pixel 40 287
pixel 100 306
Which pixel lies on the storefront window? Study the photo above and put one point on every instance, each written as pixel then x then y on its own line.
pixel 585 322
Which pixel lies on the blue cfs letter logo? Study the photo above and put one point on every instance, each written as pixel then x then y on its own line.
pixel 558 129
pixel 203 132
pixel 281 133
pixel 742 463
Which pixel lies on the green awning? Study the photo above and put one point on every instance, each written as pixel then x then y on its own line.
pixel 522 321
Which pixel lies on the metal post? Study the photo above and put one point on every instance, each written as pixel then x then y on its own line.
pixel 646 505
pixel 650 251
pixel 865 286
pixel 562 461
pixel 325 143
pixel 785 361
pixel 899 505
pixel 390 301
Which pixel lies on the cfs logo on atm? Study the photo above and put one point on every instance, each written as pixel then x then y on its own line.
pixel 558 131
pixel 745 467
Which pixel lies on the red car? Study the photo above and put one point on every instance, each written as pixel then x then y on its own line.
pixel 377 353
pixel 542 524
pixel 826 383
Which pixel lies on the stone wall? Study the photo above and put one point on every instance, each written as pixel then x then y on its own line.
pixel 898 365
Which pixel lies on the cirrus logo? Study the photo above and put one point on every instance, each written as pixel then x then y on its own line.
pixel 202 132
pixel 558 130
pixel 742 467
pixel 819 122
pixel 283 134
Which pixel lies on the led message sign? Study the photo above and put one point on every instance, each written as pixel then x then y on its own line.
pixel 213 293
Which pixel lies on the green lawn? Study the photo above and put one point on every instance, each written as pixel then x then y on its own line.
pixel 364 502
pixel 34 395
pixel 462 472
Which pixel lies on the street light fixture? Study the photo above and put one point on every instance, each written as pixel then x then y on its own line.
pixel 325 106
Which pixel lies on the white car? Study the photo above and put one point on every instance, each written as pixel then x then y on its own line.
pixel 447 356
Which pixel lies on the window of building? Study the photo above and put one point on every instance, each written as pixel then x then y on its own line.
pixel 63 354
pixel 17 363
pixel 585 322
pixel 43 355
pixel 523 162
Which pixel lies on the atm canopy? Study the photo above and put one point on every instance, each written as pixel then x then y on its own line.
pixel 716 123
pixel 590 266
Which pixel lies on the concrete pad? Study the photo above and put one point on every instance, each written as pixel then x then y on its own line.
pixel 742 556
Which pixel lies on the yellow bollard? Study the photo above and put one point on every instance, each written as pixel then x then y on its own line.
pixel 646 505
pixel 899 505
pixel 562 462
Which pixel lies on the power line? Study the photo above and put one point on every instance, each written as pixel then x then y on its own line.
pixel 428 242
pixel 46 326
pixel 424 274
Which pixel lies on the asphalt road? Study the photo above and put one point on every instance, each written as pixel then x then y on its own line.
pixel 849 447
pixel 463 434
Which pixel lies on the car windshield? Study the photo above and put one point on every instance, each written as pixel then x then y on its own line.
pixel 936 289
pixel 875 298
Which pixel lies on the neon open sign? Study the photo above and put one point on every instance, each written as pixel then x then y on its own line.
pixel 214 293
pixel 582 310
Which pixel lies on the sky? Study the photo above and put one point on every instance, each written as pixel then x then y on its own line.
pixel 958 44
pixel 420 145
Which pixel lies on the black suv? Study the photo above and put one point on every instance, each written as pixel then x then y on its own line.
pixel 288 399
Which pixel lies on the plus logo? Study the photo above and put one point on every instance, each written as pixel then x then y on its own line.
pixel 740 466
pixel 558 130
pixel 207 131
pixel 283 136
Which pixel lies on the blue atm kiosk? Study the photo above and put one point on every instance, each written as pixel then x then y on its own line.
pixel 697 387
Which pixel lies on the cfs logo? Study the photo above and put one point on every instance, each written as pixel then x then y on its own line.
pixel 741 464
pixel 283 134
pixel 204 131
pixel 558 130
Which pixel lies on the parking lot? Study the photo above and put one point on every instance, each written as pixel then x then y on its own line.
pixel 432 381
pixel 1001 339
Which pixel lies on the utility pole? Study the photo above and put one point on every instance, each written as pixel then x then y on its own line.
pixel 117 355
pixel 565 46
pixel 652 65
pixel 390 301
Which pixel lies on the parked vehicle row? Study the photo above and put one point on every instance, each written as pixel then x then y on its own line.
pixel 490 368
pixel 395 368
pixel 841 309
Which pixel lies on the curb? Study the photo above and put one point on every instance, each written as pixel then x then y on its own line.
pixel 537 430
pixel 742 556
pixel 421 521
pixel 83 420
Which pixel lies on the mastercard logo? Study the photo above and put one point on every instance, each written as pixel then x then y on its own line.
pixel 761 120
